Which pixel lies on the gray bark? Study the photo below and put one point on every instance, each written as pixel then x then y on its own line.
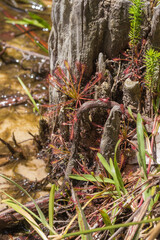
pixel 155 28
pixel 81 29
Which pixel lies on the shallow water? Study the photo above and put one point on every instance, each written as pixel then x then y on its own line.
pixel 20 119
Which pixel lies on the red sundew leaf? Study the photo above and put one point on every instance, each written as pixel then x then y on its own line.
pixel 49 78
pixel 72 133
pixel 121 59
pixel 55 161
pixel 126 55
pixel 94 149
pixel 116 59
pixel 55 83
pixel 67 65
pixel 141 201
pixel 78 102
pixel 85 89
pixel 97 125
pixel 80 67
pixel 133 147
pixel 75 119
pixel 75 79
pixel 92 83
pixel 84 169
pixel 122 108
pixel 105 100
pixel 99 78
pixel 122 160
pixel 127 70
pixel 66 124
pixel 60 74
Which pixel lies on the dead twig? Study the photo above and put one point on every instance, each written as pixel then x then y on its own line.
pixel 24 52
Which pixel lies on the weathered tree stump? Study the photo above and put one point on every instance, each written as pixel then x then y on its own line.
pixel 93 31
pixel 81 29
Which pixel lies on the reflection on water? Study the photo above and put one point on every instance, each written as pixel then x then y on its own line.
pixel 20 119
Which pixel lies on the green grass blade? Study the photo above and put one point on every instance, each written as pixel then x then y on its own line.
pixel 51 207
pixel 41 46
pixel 20 204
pixel 131 114
pixel 43 23
pixel 114 175
pixel 118 173
pixel 116 226
pixel 87 177
pixel 29 95
pixel 28 218
pixel 111 169
pixel 35 21
pixel 83 225
pixel 104 163
pixel 106 219
pixel 141 145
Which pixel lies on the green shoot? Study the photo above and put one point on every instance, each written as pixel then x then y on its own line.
pixel 116 226
pixel 83 225
pixel 141 145
pixel 118 173
pixel 35 21
pixel 51 207
pixel 41 47
pixel 90 178
pixel 29 95
pixel 111 170
pixel 135 15
pixel 106 219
